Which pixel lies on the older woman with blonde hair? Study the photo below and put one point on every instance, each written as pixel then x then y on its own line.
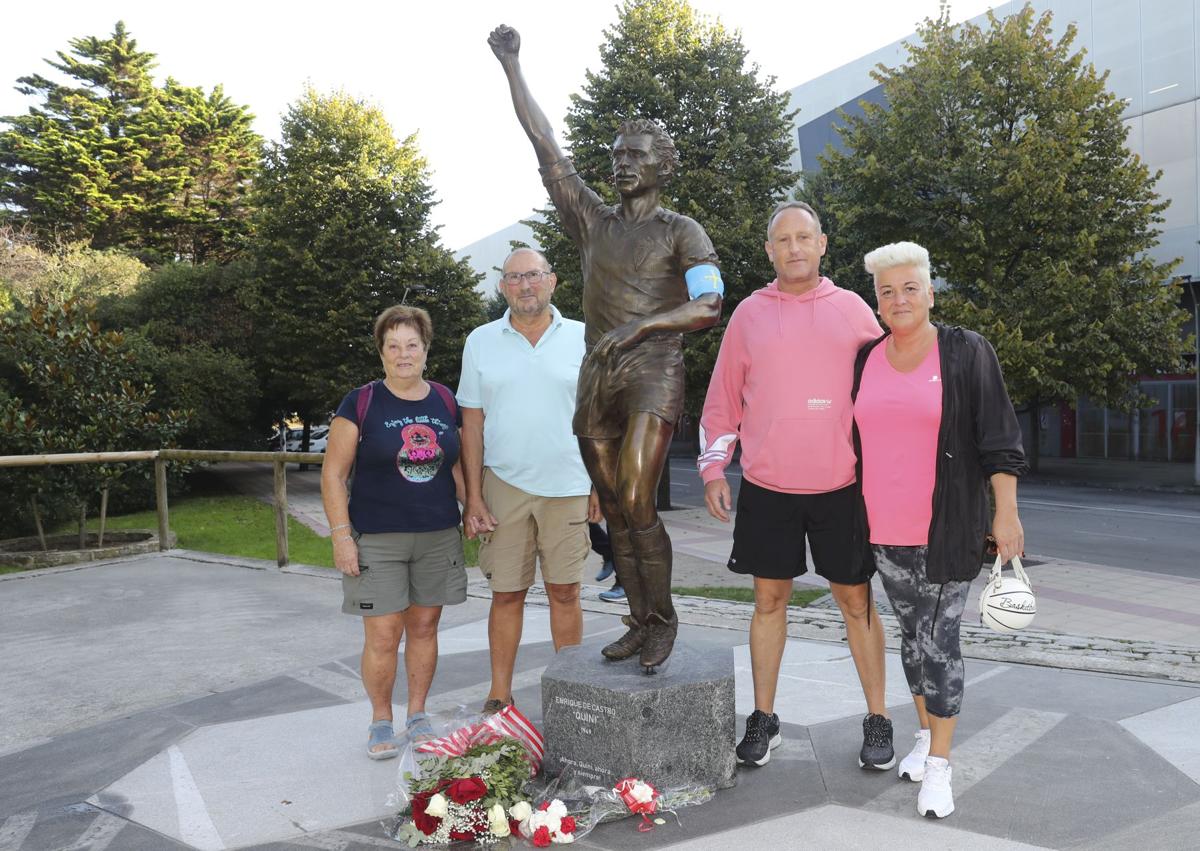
pixel 395 537
pixel 933 426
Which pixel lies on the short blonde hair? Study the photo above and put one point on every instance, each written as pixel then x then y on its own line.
pixel 899 254
pixel 404 314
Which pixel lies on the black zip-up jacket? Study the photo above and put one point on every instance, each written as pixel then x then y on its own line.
pixel 979 435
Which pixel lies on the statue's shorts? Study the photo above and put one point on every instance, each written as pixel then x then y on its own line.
pixel 646 378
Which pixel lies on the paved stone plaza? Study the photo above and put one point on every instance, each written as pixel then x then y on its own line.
pixel 195 701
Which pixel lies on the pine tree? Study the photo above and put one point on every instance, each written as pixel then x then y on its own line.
pixel 114 161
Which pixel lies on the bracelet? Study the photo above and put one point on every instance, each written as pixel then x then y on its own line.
pixel 342 526
pixel 343 538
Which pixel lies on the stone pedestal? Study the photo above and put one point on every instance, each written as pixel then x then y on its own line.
pixel 605 721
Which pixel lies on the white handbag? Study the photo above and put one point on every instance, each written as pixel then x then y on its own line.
pixel 1007 603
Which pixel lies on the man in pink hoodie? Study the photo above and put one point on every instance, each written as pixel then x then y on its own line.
pixel 781 385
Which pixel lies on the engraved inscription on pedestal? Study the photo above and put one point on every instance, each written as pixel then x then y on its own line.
pixel 607 720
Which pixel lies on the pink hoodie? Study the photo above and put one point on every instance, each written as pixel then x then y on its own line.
pixel 782 386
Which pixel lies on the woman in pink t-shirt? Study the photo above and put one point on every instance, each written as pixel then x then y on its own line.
pixel 933 423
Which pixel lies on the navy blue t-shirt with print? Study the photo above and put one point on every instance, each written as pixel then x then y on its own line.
pixel 402 472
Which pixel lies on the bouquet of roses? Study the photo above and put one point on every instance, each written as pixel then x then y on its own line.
pixel 465 797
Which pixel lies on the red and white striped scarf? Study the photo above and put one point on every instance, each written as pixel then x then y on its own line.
pixel 508 722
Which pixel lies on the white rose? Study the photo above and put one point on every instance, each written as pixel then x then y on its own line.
pixel 520 810
pixel 498 822
pixel 438 805
pixel 557 808
pixel 642 793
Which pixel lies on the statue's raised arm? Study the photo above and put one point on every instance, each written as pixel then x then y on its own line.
pixel 506 44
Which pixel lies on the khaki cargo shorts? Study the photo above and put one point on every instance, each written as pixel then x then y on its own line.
pixel 402 569
pixel 552 530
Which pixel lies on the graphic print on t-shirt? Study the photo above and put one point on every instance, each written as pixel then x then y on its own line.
pixel 420 458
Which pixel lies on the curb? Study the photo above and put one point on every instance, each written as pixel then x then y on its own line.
pixel 1142 659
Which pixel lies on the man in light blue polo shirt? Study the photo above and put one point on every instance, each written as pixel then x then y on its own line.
pixel 527 488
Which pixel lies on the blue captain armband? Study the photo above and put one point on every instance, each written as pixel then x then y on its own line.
pixel 705 278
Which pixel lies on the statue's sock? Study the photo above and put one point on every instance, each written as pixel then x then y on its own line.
pixel 653 549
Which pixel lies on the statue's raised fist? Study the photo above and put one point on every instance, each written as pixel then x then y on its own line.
pixel 505 42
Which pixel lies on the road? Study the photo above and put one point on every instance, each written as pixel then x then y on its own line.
pixel 1154 532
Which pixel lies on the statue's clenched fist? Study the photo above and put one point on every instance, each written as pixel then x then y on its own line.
pixel 505 42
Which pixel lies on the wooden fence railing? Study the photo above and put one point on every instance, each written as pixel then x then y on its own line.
pixel 161 457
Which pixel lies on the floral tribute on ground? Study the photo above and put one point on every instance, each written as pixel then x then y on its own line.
pixel 479 784
pixel 469 781
pixel 465 798
pixel 642 800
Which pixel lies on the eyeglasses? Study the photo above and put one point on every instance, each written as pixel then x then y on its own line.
pixel 534 277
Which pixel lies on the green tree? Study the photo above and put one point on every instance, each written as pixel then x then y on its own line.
pixel 191 327
pixel 1004 154
pixel 209 142
pixel 663 60
pixel 177 305
pixel 29 273
pixel 112 160
pixel 75 389
pixel 343 232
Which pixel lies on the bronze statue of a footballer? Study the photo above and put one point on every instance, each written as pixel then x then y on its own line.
pixel 649 276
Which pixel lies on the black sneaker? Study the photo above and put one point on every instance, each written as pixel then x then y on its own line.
pixel 877 750
pixel 762 736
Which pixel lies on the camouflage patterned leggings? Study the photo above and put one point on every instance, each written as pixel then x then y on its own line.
pixel 929 616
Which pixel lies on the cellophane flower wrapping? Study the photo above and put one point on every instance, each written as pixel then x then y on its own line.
pixel 458 786
pixel 591 805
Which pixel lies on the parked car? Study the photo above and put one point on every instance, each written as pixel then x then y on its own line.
pixel 317 439
pixel 281 439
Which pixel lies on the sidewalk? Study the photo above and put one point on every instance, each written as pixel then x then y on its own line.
pixel 1144 613
pixel 186 700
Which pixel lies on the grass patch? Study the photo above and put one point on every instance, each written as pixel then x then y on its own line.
pixel 230 525
pixel 237 526
pixel 746 595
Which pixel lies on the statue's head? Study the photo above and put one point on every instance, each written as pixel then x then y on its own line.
pixel 643 156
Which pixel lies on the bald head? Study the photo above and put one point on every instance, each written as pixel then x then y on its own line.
pixel 516 252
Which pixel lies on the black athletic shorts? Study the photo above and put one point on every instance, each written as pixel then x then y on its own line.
pixel 769 530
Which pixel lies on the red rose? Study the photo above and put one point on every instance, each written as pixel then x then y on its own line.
pixel 545 805
pixel 463 835
pixel 541 837
pixel 568 825
pixel 514 826
pixel 425 823
pixel 466 790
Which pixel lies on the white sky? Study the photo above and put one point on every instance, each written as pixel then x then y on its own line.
pixel 429 67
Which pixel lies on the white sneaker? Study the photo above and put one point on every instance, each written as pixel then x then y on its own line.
pixel 912 767
pixel 935 798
